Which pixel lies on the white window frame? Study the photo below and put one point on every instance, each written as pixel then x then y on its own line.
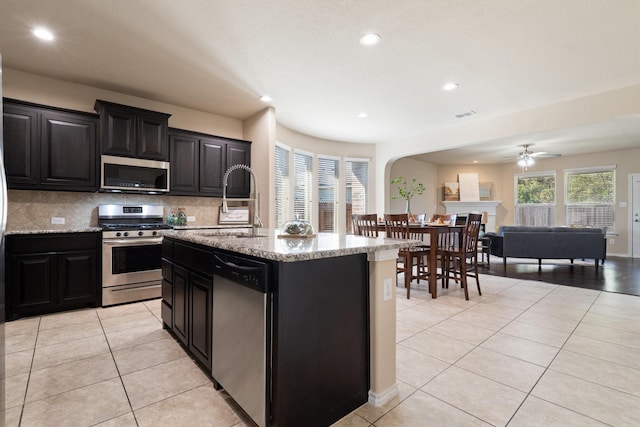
pixel 336 192
pixel 282 207
pixel 367 189
pixel 610 206
pixel 545 210
pixel 304 209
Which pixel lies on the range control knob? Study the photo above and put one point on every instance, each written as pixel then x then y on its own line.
pixel 118 234
pixel 126 233
pixel 140 233
pixel 154 233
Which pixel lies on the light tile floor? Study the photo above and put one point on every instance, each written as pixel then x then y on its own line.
pixel 523 354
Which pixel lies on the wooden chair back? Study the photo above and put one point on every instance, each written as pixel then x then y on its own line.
pixel 470 233
pixel 396 226
pixel 365 224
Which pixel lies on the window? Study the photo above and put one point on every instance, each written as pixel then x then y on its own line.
pixel 282 185
pixel 535 199
pixel 590 197
pixel 303 181
pixel 327 194
pixel 357 183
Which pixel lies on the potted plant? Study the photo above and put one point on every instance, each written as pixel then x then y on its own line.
pixel 406 190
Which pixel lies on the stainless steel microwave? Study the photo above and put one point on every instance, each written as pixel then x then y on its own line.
pixel 129 175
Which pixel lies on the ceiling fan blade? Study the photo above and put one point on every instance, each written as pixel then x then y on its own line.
pixel 543 154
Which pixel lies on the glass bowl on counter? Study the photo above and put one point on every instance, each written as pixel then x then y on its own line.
pixel 297 227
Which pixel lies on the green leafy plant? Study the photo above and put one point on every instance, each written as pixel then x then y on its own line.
pixel 406 190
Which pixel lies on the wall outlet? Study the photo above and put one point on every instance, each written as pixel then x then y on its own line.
pixel 57 220
pixel 191 219
pixel 612 241
pixel 387 289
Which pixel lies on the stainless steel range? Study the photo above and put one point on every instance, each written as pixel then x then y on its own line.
pixel 131 252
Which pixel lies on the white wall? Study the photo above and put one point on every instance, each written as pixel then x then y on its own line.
pixel 478 129
pixel 59 93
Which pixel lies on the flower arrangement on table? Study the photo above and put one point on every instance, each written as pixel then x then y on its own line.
pixel 406 191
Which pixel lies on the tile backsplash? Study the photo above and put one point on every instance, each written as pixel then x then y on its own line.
pixel 33 210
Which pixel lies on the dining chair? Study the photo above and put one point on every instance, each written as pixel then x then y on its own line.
pixel 365 224
pixel 461 257
pixel 397 227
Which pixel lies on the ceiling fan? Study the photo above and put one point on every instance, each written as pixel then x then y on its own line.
pixel 526 157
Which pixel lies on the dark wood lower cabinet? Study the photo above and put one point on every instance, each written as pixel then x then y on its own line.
pixel 187 309
pixel 317 343
pixel 200 311
pixel 52 272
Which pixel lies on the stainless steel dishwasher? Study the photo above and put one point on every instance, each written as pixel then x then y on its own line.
pixel 240 331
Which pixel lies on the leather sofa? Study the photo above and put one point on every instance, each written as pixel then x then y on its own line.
pixel 549 243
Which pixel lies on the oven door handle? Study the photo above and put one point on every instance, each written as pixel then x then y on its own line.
pixel 132 242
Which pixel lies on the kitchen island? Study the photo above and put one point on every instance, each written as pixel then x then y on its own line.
pixel 326 327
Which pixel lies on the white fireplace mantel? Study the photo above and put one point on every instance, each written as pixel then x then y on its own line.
pixel 488 206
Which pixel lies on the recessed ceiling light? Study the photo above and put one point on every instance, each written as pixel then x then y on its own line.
pixel 370 39
pixel 362 115
pixel 475 161
pixel 266 98
pixel 450 86
pixel 43 34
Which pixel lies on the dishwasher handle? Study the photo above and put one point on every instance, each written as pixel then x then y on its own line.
pixel 243 271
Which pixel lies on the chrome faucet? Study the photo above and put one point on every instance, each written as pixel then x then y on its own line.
pixel 256 222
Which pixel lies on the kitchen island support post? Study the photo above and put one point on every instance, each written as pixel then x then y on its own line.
pixel 382 265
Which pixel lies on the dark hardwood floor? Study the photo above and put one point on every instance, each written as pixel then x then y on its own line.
pixel 617 274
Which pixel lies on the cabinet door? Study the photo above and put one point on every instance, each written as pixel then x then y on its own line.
pixel 184 164
pixel 239 183
pixel 212 166
pixel 200 306
pixel 152 136
pixel 180 303
pixel 118 131
pixel 68 151
pixel 32 285
pixel 77 278
pixel 21 146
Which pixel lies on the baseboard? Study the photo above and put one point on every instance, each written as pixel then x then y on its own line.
pixel 379 399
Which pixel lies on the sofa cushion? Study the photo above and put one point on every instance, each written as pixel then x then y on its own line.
pixel 521 229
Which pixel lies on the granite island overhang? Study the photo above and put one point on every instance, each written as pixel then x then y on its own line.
pixel 271 244
pixel 375 256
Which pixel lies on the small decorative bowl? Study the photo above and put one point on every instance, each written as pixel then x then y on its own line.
pixel 297 227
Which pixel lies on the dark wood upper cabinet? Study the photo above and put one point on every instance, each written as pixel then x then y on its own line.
pixel 133 132
pixel 239 181
pixel 68 150
pixel 213 164
pixel 199 161
pixel 49 149
pixel 21 145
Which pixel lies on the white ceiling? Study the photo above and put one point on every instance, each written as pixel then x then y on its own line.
pixel 220 56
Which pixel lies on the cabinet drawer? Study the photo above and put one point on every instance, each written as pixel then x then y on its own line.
pixel 167 315
pixel 167 269
pixel 167 292
pixel 39 243
pixel 167 248
pixel 199 260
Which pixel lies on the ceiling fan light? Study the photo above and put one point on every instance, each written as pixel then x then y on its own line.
pixel 525 162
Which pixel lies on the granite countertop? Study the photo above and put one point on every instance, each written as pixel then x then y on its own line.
pixel 269 245
pixel 211 227
pixel 53 230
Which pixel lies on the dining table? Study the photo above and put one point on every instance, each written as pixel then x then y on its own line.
pixel 433 230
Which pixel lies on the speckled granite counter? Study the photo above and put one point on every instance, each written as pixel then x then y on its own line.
pixel 269 245
pixel 225 227
pixel 54 230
